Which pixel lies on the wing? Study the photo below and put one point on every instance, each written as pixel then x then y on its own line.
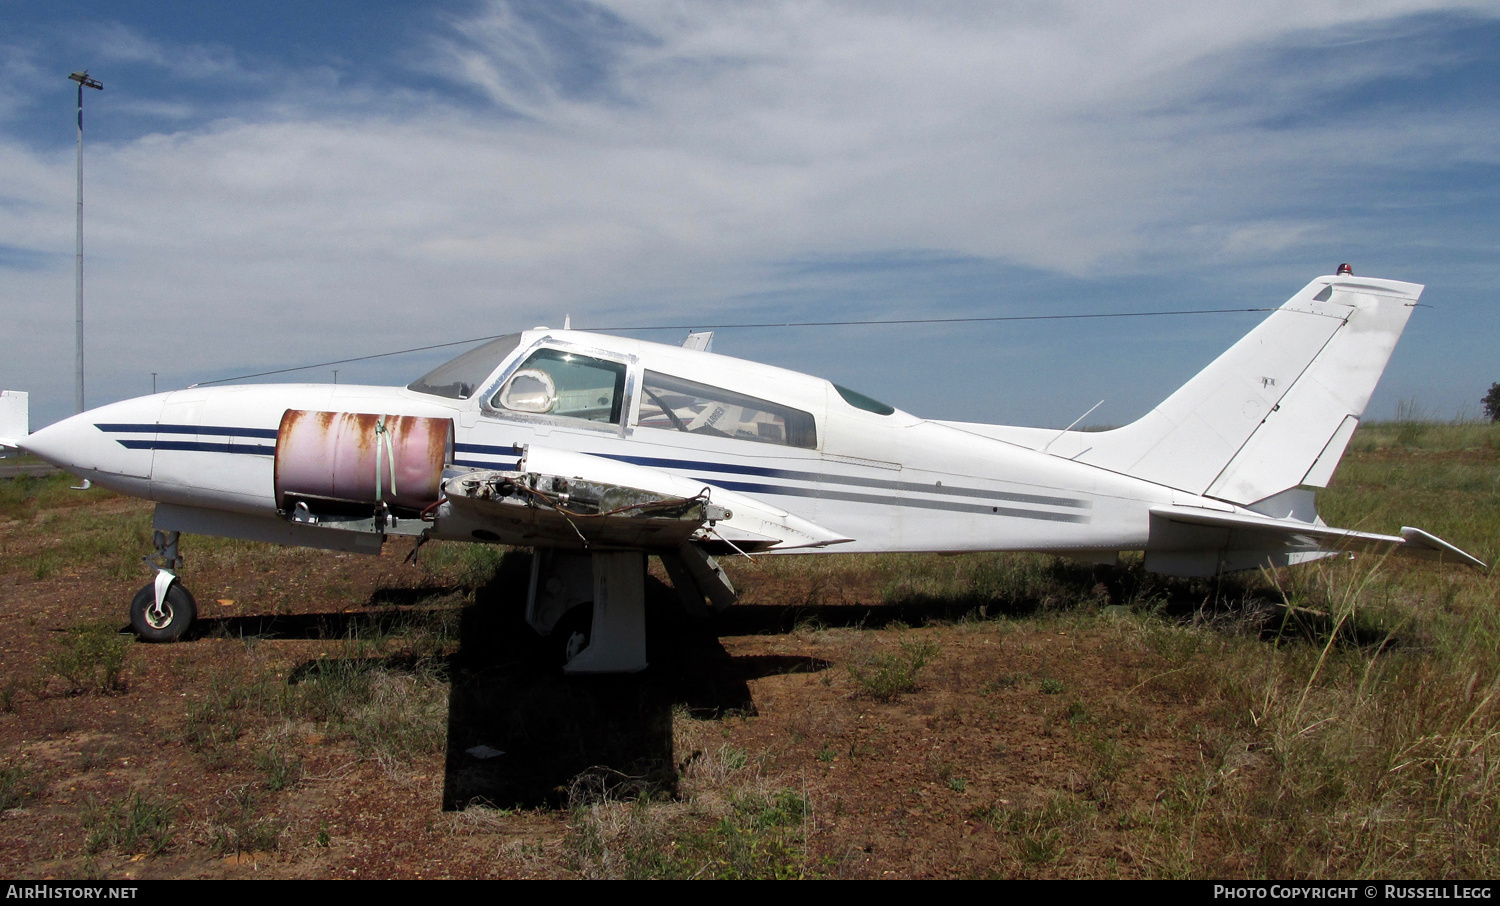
pixel 558 498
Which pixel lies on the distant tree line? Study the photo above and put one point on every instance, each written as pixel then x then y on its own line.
pixel 1492 403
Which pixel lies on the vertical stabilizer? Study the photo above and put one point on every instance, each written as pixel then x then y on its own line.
pixel 1276 410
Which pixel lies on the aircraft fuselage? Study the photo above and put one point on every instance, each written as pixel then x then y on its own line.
pixel 887 480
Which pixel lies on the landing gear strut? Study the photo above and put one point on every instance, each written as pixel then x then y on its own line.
pixel 163 610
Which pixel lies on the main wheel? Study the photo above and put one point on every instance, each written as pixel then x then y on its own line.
pixel 167 623
pixel 571 634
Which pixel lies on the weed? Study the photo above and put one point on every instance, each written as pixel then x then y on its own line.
pixel 760 837
pixel 472 566
pixel 215 722
pixel 1411 425
pixel 8 691
pixel 238 829
pixel 134 825
pixel 1039 834
pixel 391 715
pixel 15 789
pixel 885 676
pixel 279 770
pixel 91 659
pixel 1001 682
pixel 1051 686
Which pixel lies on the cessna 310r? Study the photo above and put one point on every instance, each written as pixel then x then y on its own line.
pixel 597 451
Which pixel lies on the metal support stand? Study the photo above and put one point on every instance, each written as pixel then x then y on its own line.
pixel 617 640
pixel 560 581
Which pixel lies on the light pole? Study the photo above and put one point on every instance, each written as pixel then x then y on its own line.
pixel 83 80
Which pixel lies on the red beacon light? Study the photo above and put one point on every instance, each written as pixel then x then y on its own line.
pixel 1345 270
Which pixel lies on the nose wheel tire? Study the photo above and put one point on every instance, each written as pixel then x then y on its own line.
pixel 166 623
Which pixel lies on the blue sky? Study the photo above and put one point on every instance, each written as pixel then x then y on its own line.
pixel 274 184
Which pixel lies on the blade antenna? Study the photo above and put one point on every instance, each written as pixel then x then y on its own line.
pixel 1070 427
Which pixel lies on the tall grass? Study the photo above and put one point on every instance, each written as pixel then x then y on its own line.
pixel 1357 756
pixel 1410 432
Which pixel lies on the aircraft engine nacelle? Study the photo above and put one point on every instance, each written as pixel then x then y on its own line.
pixel 362 459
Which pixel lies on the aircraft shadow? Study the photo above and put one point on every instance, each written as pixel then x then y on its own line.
pixel 519 732
pixel 1232 603
pixel 522 734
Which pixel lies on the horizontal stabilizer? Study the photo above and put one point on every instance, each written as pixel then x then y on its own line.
pixel 1196 542
pixel 15 420
pixel 1430 547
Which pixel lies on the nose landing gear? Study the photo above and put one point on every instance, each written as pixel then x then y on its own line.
pixel 163 610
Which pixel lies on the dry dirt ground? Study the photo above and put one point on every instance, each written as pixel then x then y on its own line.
pixel 1032 745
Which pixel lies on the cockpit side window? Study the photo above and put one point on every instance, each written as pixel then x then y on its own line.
pixel 675 404
pixel 566 384
pixel 461 378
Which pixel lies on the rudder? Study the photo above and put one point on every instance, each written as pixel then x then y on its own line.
pixel 1277 409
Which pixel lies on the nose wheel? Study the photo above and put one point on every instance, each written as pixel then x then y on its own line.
pixel 166 620
pixel 163 610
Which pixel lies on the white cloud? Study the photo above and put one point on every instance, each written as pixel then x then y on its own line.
pixel 116 42
pixel 654 158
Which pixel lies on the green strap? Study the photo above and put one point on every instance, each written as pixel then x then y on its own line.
pixel 383 435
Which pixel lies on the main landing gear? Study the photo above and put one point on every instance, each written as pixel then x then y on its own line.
pixel 163 610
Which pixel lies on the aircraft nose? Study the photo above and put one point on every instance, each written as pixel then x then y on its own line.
pixel 56 442
pixel 110 445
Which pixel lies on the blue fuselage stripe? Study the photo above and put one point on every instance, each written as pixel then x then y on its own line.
pixel 199 446
pixel 210 430
pixel 491 449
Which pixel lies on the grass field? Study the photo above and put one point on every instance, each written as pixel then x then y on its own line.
pixel 868 716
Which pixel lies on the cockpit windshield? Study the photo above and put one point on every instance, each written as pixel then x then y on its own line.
pixel 461 378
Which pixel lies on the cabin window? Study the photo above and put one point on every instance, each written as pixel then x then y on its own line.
pixel 461 378
pixel 675 404
pixel 556 382
pixel 860 401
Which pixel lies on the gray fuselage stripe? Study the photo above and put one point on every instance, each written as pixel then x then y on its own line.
pixel 853 481
pixel 883 500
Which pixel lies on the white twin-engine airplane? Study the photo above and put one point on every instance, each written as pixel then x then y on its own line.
pixel 597 451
